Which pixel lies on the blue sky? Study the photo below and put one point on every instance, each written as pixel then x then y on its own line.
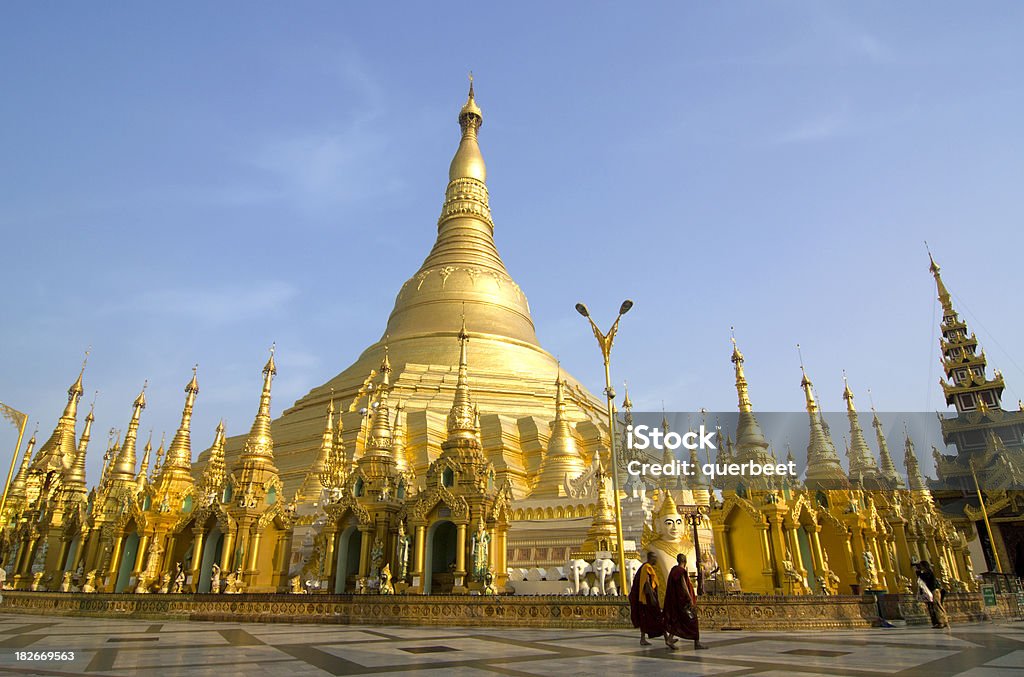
pixel 188 183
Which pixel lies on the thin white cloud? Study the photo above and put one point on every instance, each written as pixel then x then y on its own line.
pixel 871 47
pixel 223 305
pixel 328 167
pixel 821 128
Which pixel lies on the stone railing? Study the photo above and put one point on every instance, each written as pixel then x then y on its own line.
pixel 745 612
pixel 961 607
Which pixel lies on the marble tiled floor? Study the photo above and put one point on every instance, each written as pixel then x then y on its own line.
pixel 169 649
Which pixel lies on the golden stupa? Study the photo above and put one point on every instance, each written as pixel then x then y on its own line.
pixel 513 377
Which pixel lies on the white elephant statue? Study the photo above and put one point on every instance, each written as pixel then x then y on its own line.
pixel 613 590
pixel 632 566
pixel 536 574
pixel 576 572
pixel 603 569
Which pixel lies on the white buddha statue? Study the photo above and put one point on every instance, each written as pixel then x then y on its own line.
pixel 668 539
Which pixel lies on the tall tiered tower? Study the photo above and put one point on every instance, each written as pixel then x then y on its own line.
pixel 985 436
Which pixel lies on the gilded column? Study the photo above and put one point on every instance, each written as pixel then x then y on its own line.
pixel 91 547
pixel 330 561
pixel 501 561
pixel 364 550
pixel 198 539
pixel 794 545
pixel 169 563
pixel 767 568
pixel 421 548
pixel 83 539
pixel 26 555
pixel 778 534
pixel 227 551
pixel 851 564
pixel 903 550
pixel 64 544
pixel 140 556
pixel 722 548
pixel 254 550
pixel 115 561
pixel 460 558
pixel 819 558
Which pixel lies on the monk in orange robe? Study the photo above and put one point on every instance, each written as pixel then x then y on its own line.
pixel 681 605
pixel 644 609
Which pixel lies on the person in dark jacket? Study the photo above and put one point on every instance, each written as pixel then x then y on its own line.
pixel 931 592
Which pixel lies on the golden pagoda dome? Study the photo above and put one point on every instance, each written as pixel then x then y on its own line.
pixel 462 279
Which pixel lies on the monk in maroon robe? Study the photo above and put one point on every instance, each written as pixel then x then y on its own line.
pixel 644 609
pixel 681 604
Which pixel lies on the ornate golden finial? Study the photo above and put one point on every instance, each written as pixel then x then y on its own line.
pixel 76 390
pixel 915 481
pixel 270 368
pixel 627 403
pixel 213 475
pixel 468 162
pixel 260 443
pixel 124 467
pixel 179 455
pixel 944 297
pixel 158 464
pixel 805 383
pixel 143 475
pixel 848 394
pixel 742 388
pixel 385 366
pixel 461 417
pixel 470 110
pixel 328 475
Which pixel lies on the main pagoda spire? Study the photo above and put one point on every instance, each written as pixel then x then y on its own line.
pixel 463 272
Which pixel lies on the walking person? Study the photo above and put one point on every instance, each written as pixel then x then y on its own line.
pixel 644 609
pixel 931 593
pixel 681 605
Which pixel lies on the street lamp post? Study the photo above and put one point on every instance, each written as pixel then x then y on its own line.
pixel 605 340
pixel 695 515
pixel 984 514
pixel 14 416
